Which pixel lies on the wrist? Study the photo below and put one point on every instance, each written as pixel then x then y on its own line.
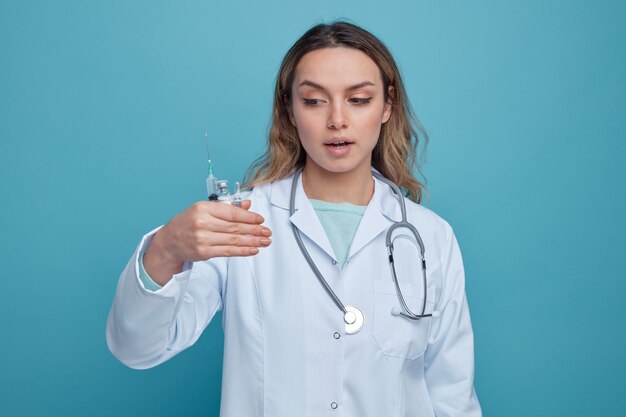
pixel 159 262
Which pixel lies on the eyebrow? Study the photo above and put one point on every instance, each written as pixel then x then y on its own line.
pixel 319 87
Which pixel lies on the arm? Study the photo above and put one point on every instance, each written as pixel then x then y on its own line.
pixel 146 328
pixel 449 360
pixel 146 280
pixel 188 258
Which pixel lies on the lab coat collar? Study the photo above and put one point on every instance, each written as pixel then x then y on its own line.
pixel 382 210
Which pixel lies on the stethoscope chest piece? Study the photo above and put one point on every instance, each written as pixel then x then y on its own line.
pixel 353 319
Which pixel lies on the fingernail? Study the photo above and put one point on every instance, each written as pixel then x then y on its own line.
pixel 265 241
pixel 266 232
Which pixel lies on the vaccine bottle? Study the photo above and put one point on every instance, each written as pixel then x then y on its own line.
pixel 237 199
pixel 223 195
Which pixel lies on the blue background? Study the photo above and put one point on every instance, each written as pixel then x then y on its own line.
pixel 103 109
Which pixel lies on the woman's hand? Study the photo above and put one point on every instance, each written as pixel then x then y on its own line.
pixel 204 230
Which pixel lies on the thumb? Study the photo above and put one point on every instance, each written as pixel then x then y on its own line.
pixel 245 204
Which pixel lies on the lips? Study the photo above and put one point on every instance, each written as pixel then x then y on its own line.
pixel 338 142
pixel 338 147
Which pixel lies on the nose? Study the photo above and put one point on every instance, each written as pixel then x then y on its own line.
pixel 337 119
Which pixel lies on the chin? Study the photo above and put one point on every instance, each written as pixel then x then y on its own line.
pixel 340 167
pixel 337 165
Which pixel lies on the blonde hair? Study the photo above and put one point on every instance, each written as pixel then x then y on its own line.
pixel 395 153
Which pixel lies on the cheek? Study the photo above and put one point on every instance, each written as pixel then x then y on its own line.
pixel 306 125
pixel 370 123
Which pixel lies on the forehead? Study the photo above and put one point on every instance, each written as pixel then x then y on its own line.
pixel 338 67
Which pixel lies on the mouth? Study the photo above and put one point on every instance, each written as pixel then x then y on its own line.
pixel 338 143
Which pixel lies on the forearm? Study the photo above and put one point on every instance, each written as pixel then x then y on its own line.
pixel 140 321
pixel 449 360
pixel 145 327
pixel 159 263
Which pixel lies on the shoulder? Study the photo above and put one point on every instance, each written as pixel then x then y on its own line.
pixel 275 193
pixel 416 209
pixel 428 220
pixel 265 195
pixel 259 192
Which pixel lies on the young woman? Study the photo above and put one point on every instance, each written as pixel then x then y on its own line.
pixel 323 319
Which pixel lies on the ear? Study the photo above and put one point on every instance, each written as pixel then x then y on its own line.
pixel 391 94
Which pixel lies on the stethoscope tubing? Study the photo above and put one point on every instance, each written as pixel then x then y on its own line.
pixel 305 252
pixel 407 313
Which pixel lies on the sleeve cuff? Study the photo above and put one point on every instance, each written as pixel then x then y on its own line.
pixel 145 282
pixel 148 283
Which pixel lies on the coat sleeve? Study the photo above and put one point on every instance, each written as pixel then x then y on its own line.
pixel 145 328
pixel 449 360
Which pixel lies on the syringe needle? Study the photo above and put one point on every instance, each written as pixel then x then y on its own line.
pixel 206 141
pixel 210 180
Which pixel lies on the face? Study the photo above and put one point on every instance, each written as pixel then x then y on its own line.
pixel 338 107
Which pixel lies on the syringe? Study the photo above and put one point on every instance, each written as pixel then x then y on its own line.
pixel 217 190
pixel 211 180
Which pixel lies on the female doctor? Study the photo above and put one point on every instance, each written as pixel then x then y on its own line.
pixel 344 332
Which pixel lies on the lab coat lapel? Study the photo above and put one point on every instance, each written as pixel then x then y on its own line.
pixel 380 213
pixel 305 218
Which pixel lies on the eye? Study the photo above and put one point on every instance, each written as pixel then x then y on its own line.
pixel 360 101
pixel 310 101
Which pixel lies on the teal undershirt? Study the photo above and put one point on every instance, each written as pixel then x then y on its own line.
pixel 339 220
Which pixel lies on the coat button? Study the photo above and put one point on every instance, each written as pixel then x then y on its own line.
pixel 333 405
pixel 334 262
pixel 336 335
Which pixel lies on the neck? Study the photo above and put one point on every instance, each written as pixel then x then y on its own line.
pixel 355 187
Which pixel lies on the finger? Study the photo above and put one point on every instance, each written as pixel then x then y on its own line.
pixel 218 251
pixel 210 206
pixel 229 239
pixel 235 214
pixel 245 204
pixel 223 226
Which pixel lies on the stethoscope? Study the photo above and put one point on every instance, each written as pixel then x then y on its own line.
pixel 352 316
